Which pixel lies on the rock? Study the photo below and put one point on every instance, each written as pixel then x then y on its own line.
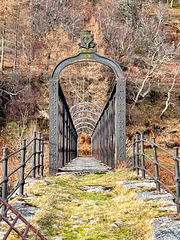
pixel 93 220
pixel 95 188
pixel 118 222
pixel 168 208
pixel 172 233
pixel 80 221
pixel 2 234
pixel 165 222
pixel 86 234
pixel 114 225
pixel 59 215
pixel 56 226
pixel 75 226
pixel 83 205
pixel 75 201
pixel 74 216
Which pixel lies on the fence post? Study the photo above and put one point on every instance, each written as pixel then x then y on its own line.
pixel 177 178
pixel 156 168
pixel 23 164
pixel 142 156
pixel 133 154
pixel 137 154
pixel 34 155
pixel 38 153
pixel 5 176
pixel 42 156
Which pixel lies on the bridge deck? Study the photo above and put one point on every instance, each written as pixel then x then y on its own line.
pixel 85 164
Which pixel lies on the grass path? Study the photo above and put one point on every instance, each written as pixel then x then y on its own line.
pixel 70 213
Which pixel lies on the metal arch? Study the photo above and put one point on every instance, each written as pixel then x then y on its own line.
pixel 88 57
pixel 88 111
pixel 86 103
pixel 84 131
pixel 85 127
pixel 77 119
pixel 85 123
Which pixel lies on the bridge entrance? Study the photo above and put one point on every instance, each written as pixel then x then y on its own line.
pixel 107 126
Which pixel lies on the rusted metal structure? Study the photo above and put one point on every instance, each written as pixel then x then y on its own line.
pixel 15 216
pixel 109 134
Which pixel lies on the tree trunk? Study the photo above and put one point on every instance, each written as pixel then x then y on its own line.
pixel 171 5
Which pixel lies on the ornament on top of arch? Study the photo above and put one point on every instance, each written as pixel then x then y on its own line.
pixel 87 44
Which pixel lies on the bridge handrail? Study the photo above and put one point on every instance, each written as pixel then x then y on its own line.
pixel 138 150
pixel 37 156
pixel 106 106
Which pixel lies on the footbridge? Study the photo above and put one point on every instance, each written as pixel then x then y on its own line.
pixel 107 126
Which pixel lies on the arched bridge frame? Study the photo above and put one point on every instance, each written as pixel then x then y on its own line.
pixel 87 53
pixel 85 103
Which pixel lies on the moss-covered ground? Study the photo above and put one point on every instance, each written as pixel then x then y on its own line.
pixel 70 213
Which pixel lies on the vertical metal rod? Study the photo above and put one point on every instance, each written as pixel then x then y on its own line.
pixel 5 176
pixel 133 155
pixel 142 156
pixel 177 178
pixel 34 155
pixel 63 145
pixel 137 154
pixel 38 153
pixel 156 168
pixel 42 156
pixel 23 159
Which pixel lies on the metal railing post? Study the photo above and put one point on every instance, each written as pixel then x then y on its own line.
pixel 34 155
pixel 133 155
pixel 137 154
pixel 38 153
pixel 156 168
pixel 177 178
pixel 42 156
pixel 5 176
pixel 142 156
pixel 23 159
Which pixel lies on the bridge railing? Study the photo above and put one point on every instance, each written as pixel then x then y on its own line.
pixel 31 164
pixel 62 133
pixel 103 136
pixel 140 158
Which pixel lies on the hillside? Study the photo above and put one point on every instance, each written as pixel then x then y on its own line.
pixel 141 36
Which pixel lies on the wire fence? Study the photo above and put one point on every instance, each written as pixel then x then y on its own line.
pixel 140 158
pixel 31 163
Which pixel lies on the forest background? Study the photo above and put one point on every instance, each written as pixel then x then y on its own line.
pixel 141 36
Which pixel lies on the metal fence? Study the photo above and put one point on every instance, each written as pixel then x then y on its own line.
pixel 139 158
pixel 31 163
pixel 103 136
pixel 10 211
